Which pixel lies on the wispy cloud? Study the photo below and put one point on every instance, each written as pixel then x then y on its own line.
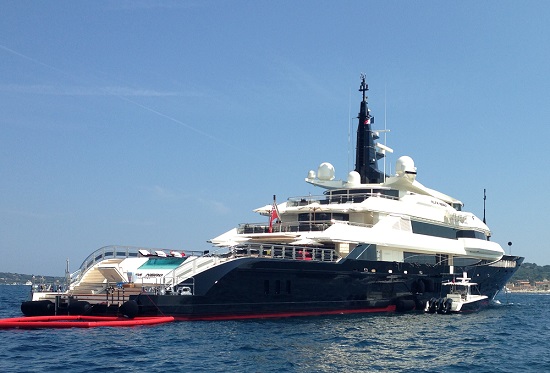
pixel 122 93
pixel 164 194
pixel 299 76
pixel 158 4
pixel 86 91
pixel 34 215
pixel 216 206
pixel 137 223
pixel 161 193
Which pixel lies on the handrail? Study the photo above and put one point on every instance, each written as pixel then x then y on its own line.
pixel 195 263
pixel 284 227
pixel 286 252
pixel 113 252
pixel 276 251
pixel 301 226
pixel 188 270
pixel 329 198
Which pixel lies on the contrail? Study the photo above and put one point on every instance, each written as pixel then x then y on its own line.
pixel 173 120
pixel 31 59
pixel 110 93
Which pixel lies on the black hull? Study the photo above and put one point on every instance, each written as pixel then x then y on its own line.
pixel 263 288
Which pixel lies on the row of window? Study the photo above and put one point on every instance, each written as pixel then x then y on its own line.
pixel 351 192
pixel 445 232
pixel 277 288
pixel 434 259
pixel 417 226
pixel 322 216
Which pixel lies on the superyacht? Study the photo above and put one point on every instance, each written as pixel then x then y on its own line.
pixel 370 243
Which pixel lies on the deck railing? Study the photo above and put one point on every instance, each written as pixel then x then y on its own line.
pixel 349 197
pixel 114 252
pixel 302 226
pixel 195 265
pixel 286 252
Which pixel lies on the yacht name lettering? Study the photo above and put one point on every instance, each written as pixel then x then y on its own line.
pixel 455 218
pixel 434 202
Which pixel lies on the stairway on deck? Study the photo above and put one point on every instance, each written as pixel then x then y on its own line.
pixel 93 280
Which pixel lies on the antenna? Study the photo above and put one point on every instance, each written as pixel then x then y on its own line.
pixel 67 275
pixel 484 199
pixel 385 132
pixel 349 130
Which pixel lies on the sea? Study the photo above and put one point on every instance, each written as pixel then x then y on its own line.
pixel 510 336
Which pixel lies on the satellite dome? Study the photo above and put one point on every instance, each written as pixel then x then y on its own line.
pixel 405 165
pixel 354 178
pixel 325 171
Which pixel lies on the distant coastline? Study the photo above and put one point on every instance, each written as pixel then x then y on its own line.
pixel 7 278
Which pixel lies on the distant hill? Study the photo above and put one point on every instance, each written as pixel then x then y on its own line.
pixel 7 278
pixel 532 273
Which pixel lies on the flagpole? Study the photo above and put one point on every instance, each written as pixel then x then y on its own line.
pixel 274 214
pixel 277 209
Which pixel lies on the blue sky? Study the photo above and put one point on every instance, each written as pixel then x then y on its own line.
pixel 165 123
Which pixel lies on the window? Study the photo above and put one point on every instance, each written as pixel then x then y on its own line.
pixel 471 234
pixel 322 216
pixel 419 258
pixel 433 230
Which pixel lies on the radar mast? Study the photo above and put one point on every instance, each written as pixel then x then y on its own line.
pixel 366 156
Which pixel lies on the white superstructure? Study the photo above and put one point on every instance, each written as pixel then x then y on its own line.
pixel 398 220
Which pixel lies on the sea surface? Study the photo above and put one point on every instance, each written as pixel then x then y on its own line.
pixel 512 335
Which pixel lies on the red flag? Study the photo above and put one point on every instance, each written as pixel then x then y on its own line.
pixel 274 215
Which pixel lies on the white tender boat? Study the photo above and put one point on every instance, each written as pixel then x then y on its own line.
pixel 463 296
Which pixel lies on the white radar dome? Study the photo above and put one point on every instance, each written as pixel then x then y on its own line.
pixel 325 171
pixel 405 165
pixel 354 178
